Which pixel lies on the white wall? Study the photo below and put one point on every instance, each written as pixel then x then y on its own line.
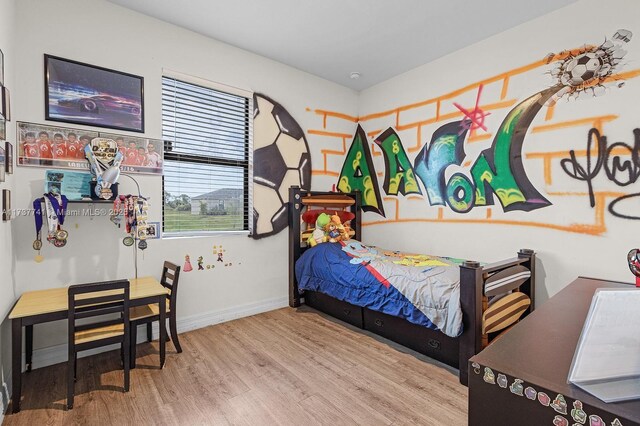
pixel 7 261
pixel 562 255
pixel 101 33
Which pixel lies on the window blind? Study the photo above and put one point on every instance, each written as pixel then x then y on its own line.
pixel 207 151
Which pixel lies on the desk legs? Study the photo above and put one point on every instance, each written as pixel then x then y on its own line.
pixel 28 346
pixel 162 305
pixel 16 363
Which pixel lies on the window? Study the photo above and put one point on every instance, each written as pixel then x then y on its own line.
pixel 207 151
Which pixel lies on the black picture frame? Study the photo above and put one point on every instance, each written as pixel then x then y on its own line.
pixel 8 147
pixel 1 67
pixel 5 103
pixel 2 164
pixel 6 205
pixel 81 93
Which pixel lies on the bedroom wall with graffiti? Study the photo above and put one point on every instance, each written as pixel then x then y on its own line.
pixel 543 152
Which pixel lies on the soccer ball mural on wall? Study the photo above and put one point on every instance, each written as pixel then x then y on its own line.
pixel 281 159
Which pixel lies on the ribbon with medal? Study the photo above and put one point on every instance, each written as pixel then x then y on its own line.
pixel 55 207
pixel 133 211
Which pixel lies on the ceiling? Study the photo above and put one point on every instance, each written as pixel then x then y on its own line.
pixel 333 38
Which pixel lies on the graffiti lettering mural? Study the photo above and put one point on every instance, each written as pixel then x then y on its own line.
pixel 446 149
pixel 400 176
pixel 498 170
pixel 449 173
pixel 500 167
pixel 358 174
pixel 608 158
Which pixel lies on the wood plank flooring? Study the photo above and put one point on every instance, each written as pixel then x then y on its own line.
pixel 285 367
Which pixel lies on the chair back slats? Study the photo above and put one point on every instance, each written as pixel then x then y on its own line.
pixel 100 324
pixel 97 299
pixel 91 311
pixel 171 271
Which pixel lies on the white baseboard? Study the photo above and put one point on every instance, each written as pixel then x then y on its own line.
pixel 56 354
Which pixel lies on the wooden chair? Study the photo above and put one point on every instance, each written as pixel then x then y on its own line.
pixel 90 301
pixel 150 313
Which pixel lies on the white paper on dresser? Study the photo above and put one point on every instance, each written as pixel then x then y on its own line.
pixel 606 362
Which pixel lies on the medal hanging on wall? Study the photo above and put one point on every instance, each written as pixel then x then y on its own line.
pixel 56 206
pixel 37 243
pixel 129 218
pixel 117 213
pixel 141 211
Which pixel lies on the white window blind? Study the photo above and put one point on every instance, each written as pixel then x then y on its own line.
pixel 207 153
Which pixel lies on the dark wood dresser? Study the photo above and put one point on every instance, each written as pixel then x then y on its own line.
pixel 521 378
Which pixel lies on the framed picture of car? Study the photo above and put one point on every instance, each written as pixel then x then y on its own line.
pixel 80 93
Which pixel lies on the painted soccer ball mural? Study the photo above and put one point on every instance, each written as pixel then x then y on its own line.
pixel 281 159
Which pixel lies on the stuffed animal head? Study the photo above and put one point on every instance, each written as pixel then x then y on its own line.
pixel 336 219
pixel 322 220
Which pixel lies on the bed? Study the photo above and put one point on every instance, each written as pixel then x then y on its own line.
pixel 446 308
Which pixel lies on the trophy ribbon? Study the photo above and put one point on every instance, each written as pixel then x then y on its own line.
pixel 57 204
pixel 37 209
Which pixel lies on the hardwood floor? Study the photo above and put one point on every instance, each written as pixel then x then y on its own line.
pixel 285 367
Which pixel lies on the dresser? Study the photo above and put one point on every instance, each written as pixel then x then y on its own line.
pixel 521 378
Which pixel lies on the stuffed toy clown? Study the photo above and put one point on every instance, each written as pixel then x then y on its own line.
pixel 319 235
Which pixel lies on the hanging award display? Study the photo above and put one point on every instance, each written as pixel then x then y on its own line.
pixel 141 211
pixel 56 206
pixel 133 212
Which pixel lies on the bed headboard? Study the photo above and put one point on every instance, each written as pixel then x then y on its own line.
pixel 299 200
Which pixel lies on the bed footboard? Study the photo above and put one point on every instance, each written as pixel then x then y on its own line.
pixel 477 283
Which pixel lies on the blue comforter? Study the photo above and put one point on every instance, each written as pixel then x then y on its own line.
pixel 421 289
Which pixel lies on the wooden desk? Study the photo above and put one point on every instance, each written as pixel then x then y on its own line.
pixel 36 307
pixel 538 351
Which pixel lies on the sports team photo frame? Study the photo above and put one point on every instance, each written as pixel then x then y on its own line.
pixel 42 145
pixel 80 93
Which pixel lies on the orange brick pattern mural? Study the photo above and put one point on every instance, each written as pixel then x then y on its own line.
pixel 475 172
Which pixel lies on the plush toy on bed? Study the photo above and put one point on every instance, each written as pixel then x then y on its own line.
pixel 333 235
pixel 319 235
pixel 344 235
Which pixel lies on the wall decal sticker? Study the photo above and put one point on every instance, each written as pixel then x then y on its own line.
pixel 358 174
pixel 200 263
pixel 187 264
pixel 281 159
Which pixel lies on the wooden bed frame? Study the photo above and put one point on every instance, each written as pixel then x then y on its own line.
pixel 435 344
